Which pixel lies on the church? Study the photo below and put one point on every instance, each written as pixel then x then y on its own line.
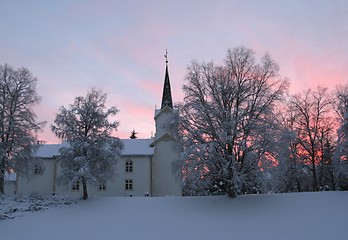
pixel 145 167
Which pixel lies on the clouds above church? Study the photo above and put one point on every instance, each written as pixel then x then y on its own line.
pixel 119 47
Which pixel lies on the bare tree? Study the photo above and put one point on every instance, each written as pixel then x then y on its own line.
pixel 314 127
pixel 226 121
pixel 18 125
pixel 93 152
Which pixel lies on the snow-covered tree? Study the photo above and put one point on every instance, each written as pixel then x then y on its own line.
pixel 341 153
pixel 93 152
pixel 18 123
pixel 226 123
pixel 289 172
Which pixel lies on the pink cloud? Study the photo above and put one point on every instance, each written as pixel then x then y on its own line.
pixel 305 60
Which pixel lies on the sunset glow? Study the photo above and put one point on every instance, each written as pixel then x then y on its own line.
pixel 118 47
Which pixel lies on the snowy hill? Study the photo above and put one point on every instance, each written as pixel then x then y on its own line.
pixel 275 216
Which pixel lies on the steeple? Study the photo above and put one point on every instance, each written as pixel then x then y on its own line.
pixel 167 95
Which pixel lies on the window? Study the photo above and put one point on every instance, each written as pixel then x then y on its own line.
pixel 37 169
pixel 76 186
pixel 129 166
pixel 129 184
pixel 102 186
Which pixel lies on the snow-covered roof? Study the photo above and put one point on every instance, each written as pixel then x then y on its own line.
pixel 166 108
pixel 131 147
pixel 49 150
pixel 137 147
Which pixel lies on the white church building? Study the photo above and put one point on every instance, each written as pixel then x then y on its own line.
pixel 145 167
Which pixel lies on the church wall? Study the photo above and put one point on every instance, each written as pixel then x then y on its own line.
pixel 165 181
pixel 10 183
pixel 163 119
pixel 47 184
pixel 10 187
pixel 40 183
pixel 140 175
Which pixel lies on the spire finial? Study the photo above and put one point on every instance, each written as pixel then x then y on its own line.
pixel 166 56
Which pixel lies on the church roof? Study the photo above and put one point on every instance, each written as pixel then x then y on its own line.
pixel 163 137
pixel 49 150
pixel 131 147
pixel 167 95
pixel 137 147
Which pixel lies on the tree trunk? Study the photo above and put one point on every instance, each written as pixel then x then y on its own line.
pixel 333 182
pixel 230 190
pixel 315 184
pixel 298 184
pixel 84 187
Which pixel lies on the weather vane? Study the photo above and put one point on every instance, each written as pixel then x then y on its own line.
pixel 166 56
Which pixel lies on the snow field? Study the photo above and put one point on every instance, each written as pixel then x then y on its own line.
pixel 274 216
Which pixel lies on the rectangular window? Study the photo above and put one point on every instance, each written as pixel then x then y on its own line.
pixel 129 184
pixel 76 186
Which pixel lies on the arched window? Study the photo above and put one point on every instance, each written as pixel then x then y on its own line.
pixel 102 186
pixel 129 166
pixel 37 169
pixel 76 186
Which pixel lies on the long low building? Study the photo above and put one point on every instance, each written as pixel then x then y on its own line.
pixel 133 173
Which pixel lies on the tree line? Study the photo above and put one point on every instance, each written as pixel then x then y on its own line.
pixel 242 132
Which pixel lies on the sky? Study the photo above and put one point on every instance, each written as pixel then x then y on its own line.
pixel 119 47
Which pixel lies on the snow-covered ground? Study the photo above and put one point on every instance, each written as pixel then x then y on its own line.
pixel 275 216
pixel 11 207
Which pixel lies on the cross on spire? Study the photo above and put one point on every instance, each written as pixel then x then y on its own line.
pixel 166 56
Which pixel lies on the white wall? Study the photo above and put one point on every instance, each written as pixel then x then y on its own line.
pixel 41 184
pixel 46 183
pixel 164 180
pixel 10 187
pixel 141 176
pixel 163 119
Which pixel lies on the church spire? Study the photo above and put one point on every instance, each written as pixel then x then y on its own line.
pixel 167 95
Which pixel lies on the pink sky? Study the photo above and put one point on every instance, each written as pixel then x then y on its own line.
pixel 72 46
